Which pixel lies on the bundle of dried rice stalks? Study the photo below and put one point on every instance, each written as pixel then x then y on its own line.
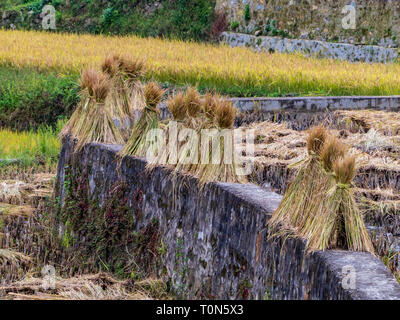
pixel 219 116
pixel 210 113
pixel 192 115
pixel 96 123
pixel 92 120
pixel 340 224
pixel 185 108
pixel 141 137
pixel 294 207
pixel 126 98
pixel 88 78
pixel 319 205
pixel 188 115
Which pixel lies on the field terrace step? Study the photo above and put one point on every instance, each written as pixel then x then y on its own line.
pixel 221 235
pixel 278 174
pixel 13 222
pixel 301 112
pixel 9 210
pixel 39 187
pixel 13 265
pixel 312 48
pixel 18 202
pixel 278 148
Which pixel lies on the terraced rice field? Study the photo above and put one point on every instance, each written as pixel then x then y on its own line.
pixel 237 71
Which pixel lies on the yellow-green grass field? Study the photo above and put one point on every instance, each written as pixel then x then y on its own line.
pixel 235 71
pixel 30 147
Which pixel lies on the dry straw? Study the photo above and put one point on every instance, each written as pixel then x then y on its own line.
pixel 219 114
pixel 126 98
pixel 191 111
pixel 88 77
pixel 139 141
pixel 188 153
pixel 92 120
pixel 292 210
pixel 319 205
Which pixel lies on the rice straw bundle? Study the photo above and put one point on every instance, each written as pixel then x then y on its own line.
pixel 210 104
pixel 339 223
pixel 96 123
pixel 220 115
pixel 319 204
pixel 298 197
pixel 138 142
pixel 189 111
pixel 177 106
pixel 185 108
pixel 126 97
pixel 213 113
pixel 88 77
pixel 193 102
pixel 92 120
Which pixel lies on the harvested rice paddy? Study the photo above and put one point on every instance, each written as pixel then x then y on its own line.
pixel 373 137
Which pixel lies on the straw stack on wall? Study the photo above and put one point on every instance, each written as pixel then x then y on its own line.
pixel 211 112
pixel 92 120
pixel 138 142
pixel 319 204
pixel 127 91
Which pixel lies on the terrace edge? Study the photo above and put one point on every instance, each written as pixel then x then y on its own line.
pixel 216 241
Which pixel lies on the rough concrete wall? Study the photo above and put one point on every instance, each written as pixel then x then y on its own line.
pixel 215 239
pixel 377 21
pixel 312 48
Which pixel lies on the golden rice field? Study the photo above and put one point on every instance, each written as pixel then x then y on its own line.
pixel 230 70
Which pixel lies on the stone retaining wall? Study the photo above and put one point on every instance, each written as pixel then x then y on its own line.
pixel 301 112
pixel 215 240
pixel 376 22
pixel 312 48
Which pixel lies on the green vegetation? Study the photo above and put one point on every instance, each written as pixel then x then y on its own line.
pixel 234 25
pixel 29 98
pixel 40 147
pixel 183 19
pixel 247 15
